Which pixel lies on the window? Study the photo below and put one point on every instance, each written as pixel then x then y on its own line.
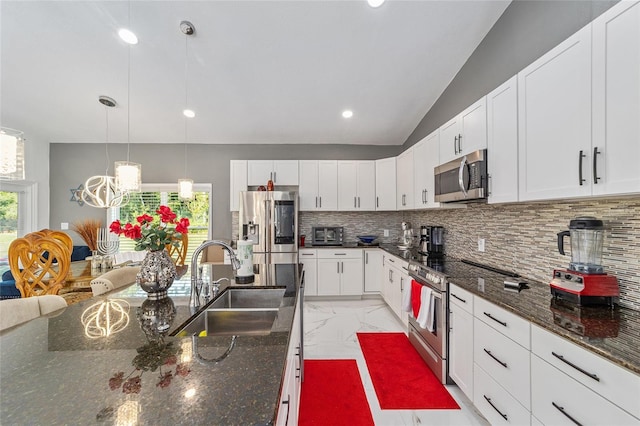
pixel 17 215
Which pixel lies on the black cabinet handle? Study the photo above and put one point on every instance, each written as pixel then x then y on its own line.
pixel 504 364
pixel 561 409
pixel 377 202
pixel 586 373
pixel 459 298
pixel 496 320
pixel 286 422
pixel 504 416
pixel 580 180
pixel 595 165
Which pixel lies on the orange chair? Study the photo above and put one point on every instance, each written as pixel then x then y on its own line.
pixel 64 238
pixel 179 254
pixel 36 274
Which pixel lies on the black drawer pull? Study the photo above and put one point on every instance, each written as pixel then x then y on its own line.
pixel 496 320
pixel 561 409
pixel 504 416
pixel 504 364
pixel 460 299
pixel 586 373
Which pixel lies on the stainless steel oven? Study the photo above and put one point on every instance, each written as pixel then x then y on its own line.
pixel 432 345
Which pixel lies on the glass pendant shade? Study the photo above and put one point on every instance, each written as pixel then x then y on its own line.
pixel 185 189
pixel 101 192
pixel 128 176
pixel 11 154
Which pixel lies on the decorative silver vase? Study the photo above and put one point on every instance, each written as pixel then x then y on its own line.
pixel 157 273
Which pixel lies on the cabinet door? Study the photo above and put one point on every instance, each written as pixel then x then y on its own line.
pixel 285 172
pixel 616 100
pixel 386 184
pixel 461 349
pixel 405 286
pixel 259 172
pixel 449 133
pixel 347 185
pixel 366 180
pixel 351 277
pixel 308 189
pixel 554 122
pixel 328 277
pixel 502 142
pixel 404 193
pixel 238 182
pixel 310 275
pixel 473 128
pixel 385 282
pixel 328 185
pixel 431 162
pixel 425 159
pixel 373 267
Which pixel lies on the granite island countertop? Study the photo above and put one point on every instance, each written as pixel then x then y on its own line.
pixel 61 370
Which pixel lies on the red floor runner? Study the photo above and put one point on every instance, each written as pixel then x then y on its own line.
pixel 400 377
pixel 332 394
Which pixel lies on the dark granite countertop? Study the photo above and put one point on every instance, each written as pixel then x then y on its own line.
pixel 59 370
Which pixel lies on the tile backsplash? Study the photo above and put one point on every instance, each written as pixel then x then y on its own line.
pixel 521 237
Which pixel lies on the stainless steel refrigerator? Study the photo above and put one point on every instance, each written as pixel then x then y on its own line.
pixel 270 220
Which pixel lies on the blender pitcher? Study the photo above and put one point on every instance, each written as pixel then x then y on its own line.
pixel 587 237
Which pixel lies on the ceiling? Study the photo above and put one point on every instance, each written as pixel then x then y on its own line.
pixel 257 71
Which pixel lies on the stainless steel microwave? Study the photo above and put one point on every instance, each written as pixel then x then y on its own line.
pixel 462 179
pixel 327 235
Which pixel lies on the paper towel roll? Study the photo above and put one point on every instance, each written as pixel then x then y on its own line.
pixel 244 274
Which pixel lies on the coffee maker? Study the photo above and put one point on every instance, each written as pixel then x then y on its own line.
pixel 585 281
pixel 432 241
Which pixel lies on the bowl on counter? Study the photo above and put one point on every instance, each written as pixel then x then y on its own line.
pixel 367 239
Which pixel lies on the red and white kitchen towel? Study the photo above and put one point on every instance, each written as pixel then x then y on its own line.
pixel 421 302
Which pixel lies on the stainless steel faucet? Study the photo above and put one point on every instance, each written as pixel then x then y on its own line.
pixel 196 281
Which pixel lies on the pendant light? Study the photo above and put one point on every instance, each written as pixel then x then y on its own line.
pixel 129 174
pixel 11 154
pixel 101 191
pixel 185 185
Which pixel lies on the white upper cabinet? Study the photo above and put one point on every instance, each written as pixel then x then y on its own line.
pixel 465 133
pixel 615 154
pixel 425 159
pixel 386 184
pixel 404 180
pixel 318 188
pixel 281 172
pixel 502 142
pixel 554 122
pixel 356 185
pixel 238 182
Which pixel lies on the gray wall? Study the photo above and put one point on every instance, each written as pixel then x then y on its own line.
pixel 526 30
pixel 72 164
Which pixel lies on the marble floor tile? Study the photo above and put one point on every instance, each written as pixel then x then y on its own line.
pixel 330 329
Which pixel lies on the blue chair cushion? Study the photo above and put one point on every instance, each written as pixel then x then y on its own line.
pixel 8 289
pixel 80 253
pixel 8 276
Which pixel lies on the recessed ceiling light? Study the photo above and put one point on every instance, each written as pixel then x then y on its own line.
pixel 375 3
pixel 347 113
pixel 128 36
pixel 189 113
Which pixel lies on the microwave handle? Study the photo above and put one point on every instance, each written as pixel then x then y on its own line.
pixel 463 164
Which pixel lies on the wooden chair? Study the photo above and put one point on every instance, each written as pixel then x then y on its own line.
pixel 36 274
pixel 179 254
pixel 63 237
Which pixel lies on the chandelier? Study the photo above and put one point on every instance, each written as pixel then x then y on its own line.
pixel 185 185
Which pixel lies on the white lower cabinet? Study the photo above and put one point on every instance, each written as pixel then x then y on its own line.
pixel 557 399
pixel 308 258
pixel 373 263
pixel 340 272
pixel 395 282
pixel 495 403
pixel 461 339
pixel 292 383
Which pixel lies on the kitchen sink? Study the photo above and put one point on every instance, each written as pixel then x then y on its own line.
pixel 237 312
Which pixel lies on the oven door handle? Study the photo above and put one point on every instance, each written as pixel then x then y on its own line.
pixel 436 293
pixel 463 164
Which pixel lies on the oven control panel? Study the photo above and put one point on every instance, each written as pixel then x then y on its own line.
pixel 420 272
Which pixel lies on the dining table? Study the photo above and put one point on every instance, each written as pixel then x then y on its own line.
pixel 114 359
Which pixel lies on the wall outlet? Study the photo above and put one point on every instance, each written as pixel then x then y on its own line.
pixel 385 232
pixel 64 225
pixel 481 244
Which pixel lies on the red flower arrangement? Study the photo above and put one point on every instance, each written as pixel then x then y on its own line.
pixel 151 234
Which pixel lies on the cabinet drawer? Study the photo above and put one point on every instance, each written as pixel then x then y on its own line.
pixel 504 360
pixel 607 379
pixel 557 399
pixel 511 325
pixel 340 253
pixel 396 262
pixel 461 298
pixel 495 403
pixel 307 254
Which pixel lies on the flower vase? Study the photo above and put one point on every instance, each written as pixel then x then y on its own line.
pixel 157 273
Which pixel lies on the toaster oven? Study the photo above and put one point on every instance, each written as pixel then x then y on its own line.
pixel 327 235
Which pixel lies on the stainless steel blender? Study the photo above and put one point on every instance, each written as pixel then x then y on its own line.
pixel 585 282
